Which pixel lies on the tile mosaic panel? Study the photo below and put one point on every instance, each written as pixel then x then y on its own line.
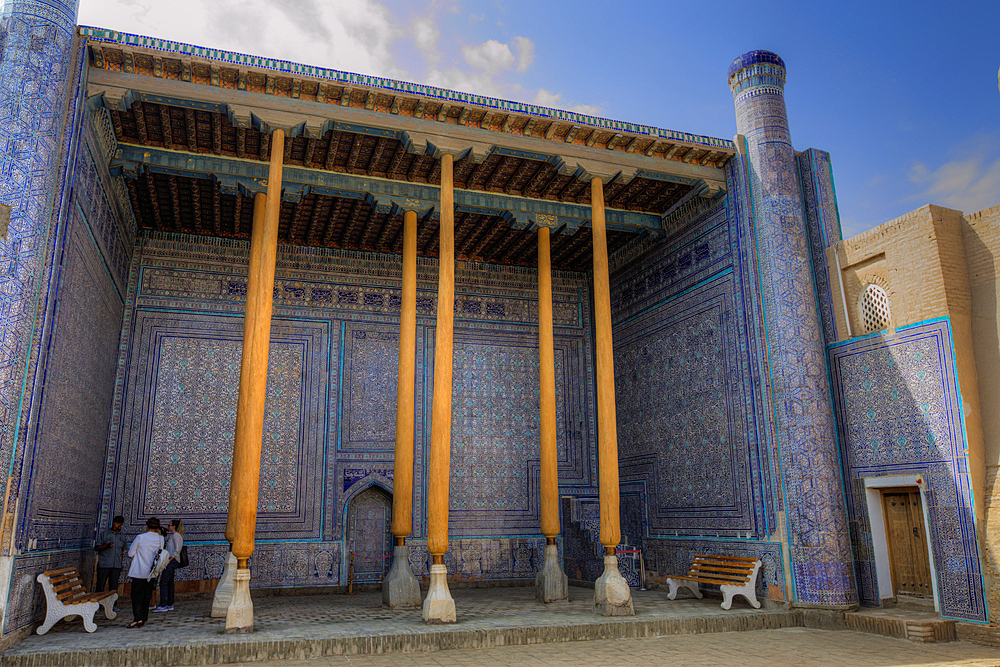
pixel 36 70
pixel 179 417
pixel 686 398
pixel 899 413
pixel 336 317
pixel 804 428
pixel 823 223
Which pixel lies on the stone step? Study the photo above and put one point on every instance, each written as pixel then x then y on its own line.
pixel 302 627
pixel 916 626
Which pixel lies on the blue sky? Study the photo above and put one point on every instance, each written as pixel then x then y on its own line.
pixel 902 94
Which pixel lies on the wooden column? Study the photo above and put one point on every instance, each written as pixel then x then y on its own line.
pixel 607 431
pixel 402 496
pixel 400 589
pixel 246 362
pixel 551 583
pixel 260 288
pixel 439 607
pixel 547 393
pixel 223 596
pixel 439 469
pixel 612 596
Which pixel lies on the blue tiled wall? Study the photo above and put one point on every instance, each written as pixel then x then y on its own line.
pixel 796 366
pixel 60 459
pixel 330 424
pixel 899 413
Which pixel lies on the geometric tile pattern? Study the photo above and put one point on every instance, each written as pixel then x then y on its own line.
pixel 800 392
pixel 823 223
pixel 330 425
pixel 899 413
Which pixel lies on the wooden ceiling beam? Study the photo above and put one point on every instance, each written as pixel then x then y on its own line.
pixel 336 213
pixel 397 159
pixel 216 133
pixel 286 153
pixel 443 112
pixel 175 200
pixel 508 124
pixel 491 181
pixel 571 135
pixel 518 174
pixel 297 227
pixel 397 105
pixel 366 230
pixel 488 238
pixel 550 131
pixel 217 209
pixel 376 155
pixel 165 129
pixel 237 214
pixel 418 111
pixel 349 224
pixel 543 168
pixel 331 150
pixel 310 152
pixel 651 148
pixel 352 160
pixel 191 130
pixel 196 203
pixel 139 115
pixel 432 235
pixel 241 142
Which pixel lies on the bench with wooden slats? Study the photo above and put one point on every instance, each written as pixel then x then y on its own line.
pixel 65 595
pixel 734 575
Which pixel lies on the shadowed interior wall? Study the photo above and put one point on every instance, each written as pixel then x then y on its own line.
pixel 64 450
pixel 696 476
pixel 330 408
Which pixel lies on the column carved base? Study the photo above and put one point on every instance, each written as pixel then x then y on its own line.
pixel 551 584
pixel 439 606
pixel 612 596
pixel 224 589
pixel 239 618
pixel 400 589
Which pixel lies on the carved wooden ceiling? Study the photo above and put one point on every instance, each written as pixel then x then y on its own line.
pixel 204 132
pixel 197 205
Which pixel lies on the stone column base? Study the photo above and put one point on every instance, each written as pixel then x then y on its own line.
pixel 612 596
pixel 551 584
pixel 400 589
pixel 224 589
pixel 439 606
pixel 240 617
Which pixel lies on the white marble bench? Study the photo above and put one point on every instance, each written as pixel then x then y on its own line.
pixel 734 575
pixel 65 595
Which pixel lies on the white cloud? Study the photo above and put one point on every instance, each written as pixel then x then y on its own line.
pixel 426 34
pixel 525 53
pixel 544 98
pixel 491 56
pixel 969 183
pixel 353 35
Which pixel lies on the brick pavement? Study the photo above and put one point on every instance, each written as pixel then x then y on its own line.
pixel 494 626
pixel 762 648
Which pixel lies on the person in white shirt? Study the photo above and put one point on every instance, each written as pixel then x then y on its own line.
pixel 175 540
pixel 143 553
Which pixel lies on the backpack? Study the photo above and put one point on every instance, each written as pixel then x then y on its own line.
pixel 159 564
pixel 182 557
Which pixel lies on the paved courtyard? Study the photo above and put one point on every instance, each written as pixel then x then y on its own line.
pixel 495 627
pixel 763 648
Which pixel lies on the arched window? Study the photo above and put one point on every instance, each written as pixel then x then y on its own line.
pixel 875 312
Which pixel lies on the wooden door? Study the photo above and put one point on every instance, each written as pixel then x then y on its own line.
pixel 904 527
pixel 369 516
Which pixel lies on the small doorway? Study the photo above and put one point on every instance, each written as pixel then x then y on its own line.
pixel 369 516
pixel 906 539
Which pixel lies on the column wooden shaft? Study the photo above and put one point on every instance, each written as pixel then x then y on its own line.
pixel 246 453
pixel 607 432
pixel 246 365
pixel 439 466
pixel 547 391
pixel 402 497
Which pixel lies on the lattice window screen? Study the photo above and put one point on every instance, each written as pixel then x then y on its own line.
pixel 875 312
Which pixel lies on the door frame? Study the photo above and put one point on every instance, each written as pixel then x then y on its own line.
pixel 880 544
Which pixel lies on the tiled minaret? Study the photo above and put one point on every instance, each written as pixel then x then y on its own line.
pixel 815 516
pixel 37 44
